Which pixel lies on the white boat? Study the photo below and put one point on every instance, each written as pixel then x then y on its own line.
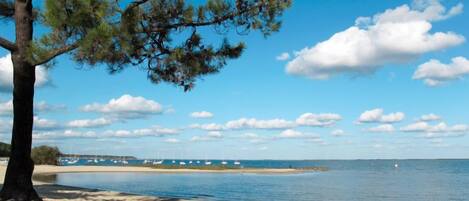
pixel 72 161
pixel 396 165
pixel 224 163
pixel 182 163
pixel 208 163
pixel 158 162
pixel 237 163
pixel 173 161
pixel 198 162
pixel 190 162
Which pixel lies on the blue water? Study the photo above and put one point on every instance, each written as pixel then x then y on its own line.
pixel 414 180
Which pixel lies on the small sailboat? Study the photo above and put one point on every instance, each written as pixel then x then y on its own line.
pixel 237 163
pixel 198 162
pixel 396 165
pixel 224 163
pixel 182 163
pixel 208 163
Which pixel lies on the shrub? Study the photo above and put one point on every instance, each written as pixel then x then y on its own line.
pixel 45 155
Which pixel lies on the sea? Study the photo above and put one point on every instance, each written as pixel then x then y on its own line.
pixel 346 180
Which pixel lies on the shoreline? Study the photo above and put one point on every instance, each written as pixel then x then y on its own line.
pixel 43 178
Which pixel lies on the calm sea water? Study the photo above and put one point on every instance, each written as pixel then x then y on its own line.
pixel 414 180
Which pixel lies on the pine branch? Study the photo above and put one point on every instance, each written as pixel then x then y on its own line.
pixel 57 52
pixel 7 44
pixel 216 20
pixel 7 9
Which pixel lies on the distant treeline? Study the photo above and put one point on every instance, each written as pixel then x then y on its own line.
pixel 4 149
pixel 107 157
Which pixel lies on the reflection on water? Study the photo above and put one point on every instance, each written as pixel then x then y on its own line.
pixel 347 180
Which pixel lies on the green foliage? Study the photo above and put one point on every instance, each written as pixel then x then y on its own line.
pixel 45 155
pixel 7 9
pixel 5 149
pixel 160 36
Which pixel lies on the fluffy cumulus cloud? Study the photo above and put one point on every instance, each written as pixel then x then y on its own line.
pixel 201 115
pixel 394 36
pixel 126 107
pixel 45 124
pixel 377 116
pixel 210 136
pixel 208 127
pixel 282 57
pixel 294 134
pixel 6 74
pixel 383 128
pixel 429 117
pixel 318 120
pixel 155 131
pixel 434 73
pixel 89 123
pixel 437 130
pixel 245 123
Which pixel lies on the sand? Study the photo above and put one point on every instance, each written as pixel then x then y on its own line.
pixel 50 191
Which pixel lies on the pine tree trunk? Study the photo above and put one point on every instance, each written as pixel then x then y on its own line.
pixel 18 184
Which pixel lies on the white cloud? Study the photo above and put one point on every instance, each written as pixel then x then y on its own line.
pixel 377 115
pixel 433 130
pixel 201 115
pixel 245 123
pixel 208 127
pixel 172 140
pixel 395 36
pixel 430 117
pixel 318 120
pixel 89 123
pixel 6 74
pixel 284 56
pixel 383 128
pixel 294 134
pixel 155 131
pixel 6 108
pixel 290 133
pixel 338 133
pixel 212 135
pixel 45 124
pixel 126 107
pixel 435 73
pixel 63 135
pixel 215 134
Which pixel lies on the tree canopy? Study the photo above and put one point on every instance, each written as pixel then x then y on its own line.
pixel 161 36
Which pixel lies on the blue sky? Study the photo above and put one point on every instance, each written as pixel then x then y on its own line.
pixel 311 105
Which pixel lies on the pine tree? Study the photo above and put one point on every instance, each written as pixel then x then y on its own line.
pixel 162 36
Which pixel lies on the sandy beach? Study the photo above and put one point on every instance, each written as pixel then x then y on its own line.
pixel 57 192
